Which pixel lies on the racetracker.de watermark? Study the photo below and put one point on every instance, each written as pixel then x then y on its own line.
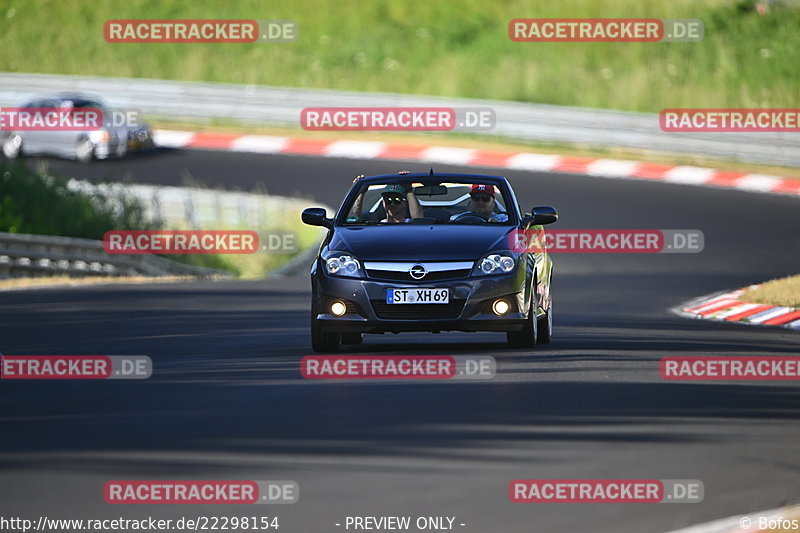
pixel 200 492
pixel 65 118
pixel 187 31
pixel 145 524
pixel 730 368
pixel 75 367
pixel 606 491
pixel 199 242
pixel 398 118
pixel 51 119
pixel 434 367
pixel 607 241
pixel 729 120
pixel 605 30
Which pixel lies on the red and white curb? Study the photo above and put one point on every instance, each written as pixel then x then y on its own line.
pixel 728 307
pixel 748 523
pixel 603 168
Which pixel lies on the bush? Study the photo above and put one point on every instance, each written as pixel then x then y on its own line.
pixel 38 203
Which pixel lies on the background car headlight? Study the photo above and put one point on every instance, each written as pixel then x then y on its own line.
pixel 343 265
pixel 496 263
pixel 100 136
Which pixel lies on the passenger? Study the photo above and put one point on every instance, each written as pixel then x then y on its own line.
pixel 395 198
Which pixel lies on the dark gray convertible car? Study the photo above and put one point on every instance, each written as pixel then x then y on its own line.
pixel 430 252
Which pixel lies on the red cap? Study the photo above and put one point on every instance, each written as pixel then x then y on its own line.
pixel 481 188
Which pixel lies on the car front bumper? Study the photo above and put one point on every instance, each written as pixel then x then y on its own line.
pixel 108 149
pixel 469 308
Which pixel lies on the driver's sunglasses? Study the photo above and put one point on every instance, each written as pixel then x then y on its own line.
pixel 394 199
pixel 481 197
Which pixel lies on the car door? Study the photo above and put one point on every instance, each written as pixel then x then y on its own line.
pixel 62 142
pixel 32 141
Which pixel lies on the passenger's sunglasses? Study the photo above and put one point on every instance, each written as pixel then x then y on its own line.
pixel 481 197
pixel 394 199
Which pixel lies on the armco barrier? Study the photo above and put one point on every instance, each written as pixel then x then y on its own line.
pixel 23 255
pixel 195 208
pixel 174 208
pixel 282 106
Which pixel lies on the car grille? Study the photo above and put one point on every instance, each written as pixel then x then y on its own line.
pixel 418 311
pixel 390 275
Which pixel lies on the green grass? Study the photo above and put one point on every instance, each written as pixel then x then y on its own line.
pixel 39 203
pixel 443 47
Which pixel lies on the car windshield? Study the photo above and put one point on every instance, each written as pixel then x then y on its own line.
pixel 450 202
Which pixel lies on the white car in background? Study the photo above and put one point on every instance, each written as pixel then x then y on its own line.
pixel 108 141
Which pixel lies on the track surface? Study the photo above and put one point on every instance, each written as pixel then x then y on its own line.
pixel 226 400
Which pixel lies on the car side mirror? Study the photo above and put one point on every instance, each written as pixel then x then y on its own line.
pixel 543 215
pixel 316 216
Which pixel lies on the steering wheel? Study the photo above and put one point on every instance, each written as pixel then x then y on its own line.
pixel 470 216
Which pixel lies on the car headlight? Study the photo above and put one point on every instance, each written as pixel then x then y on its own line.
pixel 99 136
pixel 343 265
pixel 495 263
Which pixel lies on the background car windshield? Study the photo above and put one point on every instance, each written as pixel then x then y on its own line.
pixel 443 203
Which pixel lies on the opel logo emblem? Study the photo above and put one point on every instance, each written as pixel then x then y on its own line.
pixel 417 271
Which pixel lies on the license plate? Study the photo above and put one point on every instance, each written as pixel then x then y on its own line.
pixel 417 296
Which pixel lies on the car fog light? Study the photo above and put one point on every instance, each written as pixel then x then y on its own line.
pixel 338 308
pixel 500 307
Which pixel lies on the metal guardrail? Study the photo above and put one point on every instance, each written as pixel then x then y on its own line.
pixel 195 208
pixel 172 207
pixel 23 255
pixel 282 106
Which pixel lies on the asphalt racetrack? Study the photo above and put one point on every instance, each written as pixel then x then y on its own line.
pixel 226 400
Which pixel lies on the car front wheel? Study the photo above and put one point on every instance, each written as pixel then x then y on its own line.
pixel 352 338
pixel 322 341
pixel 12 146
pixel 84 150
pixel 526 337
pixel 545 327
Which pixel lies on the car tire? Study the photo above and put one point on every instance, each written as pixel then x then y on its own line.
pixel 322 341
pixel 545 327
pixel 84 150
pixel 527 336
pixel 352 338
pixel 12 146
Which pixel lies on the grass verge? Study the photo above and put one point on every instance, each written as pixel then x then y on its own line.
pixel 784 291
pixel 37 202
pixel 449 48
pixel 40 203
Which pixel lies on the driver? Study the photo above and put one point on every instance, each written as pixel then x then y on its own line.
pixel 481 202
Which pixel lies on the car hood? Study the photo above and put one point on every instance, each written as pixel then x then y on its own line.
pixel 423 242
